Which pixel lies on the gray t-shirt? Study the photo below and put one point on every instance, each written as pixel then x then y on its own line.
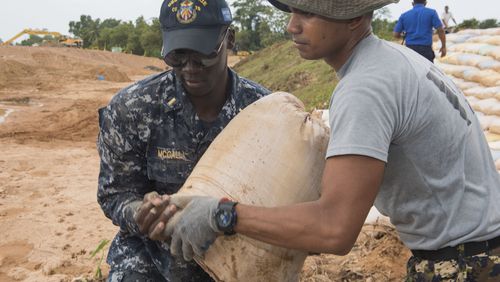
pixel 440 186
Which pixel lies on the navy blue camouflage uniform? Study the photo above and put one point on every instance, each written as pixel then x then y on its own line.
pixel 150 139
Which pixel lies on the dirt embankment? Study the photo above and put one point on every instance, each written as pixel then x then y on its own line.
pixel 49 164
pixel 50 219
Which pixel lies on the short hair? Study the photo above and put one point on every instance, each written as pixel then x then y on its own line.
pixel 419 1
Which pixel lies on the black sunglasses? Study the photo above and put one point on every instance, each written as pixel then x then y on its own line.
pixel 180 58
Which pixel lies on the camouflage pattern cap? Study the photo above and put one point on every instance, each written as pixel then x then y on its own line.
pixel 333 9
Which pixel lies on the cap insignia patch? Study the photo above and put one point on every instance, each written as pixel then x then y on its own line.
pixel 187 12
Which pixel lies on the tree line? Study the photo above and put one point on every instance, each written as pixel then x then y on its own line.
pixel 257 26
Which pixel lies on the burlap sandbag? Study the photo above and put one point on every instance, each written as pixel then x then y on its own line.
pixel 489 31
pixel 486 121
pixel 270 154
pixel 483 92
pixel 473 60
pixel 489 39
pixel 494 125
pixel 473 102
pixel 488 78
pixel 477 48
pixel 456 70
pixel 462 84
pixel 488 107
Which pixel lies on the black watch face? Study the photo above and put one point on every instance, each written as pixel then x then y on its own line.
pixel 224 219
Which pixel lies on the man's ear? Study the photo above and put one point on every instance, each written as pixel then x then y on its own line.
pixel 231 38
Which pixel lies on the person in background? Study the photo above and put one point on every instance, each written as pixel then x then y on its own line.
pixel 446 17
pixel 417 24
pixel 403 138
pixel 153 133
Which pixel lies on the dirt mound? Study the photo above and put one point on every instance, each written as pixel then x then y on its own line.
pixel 11 70
pixel 378 255
pixel 108 73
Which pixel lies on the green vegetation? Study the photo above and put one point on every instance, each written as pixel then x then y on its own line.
pixel 258 25
pixel 381 24
pixel 99 249
pixel 139 37
pixel 280 68
pixel 475 24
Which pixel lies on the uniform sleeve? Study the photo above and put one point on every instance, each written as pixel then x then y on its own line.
pixel 362 120
pixel 123 174
pixel 436 22
pixel 399 25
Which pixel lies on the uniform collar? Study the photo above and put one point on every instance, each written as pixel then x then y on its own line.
pixel 174 98
pixel 418 6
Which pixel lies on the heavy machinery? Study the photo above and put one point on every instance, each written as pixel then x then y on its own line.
pixel 62 39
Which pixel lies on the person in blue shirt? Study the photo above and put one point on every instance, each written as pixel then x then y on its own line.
pixel 417 24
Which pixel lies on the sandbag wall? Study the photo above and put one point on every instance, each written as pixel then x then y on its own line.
pixel 473 63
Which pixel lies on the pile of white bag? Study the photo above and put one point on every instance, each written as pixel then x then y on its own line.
pixel 473 63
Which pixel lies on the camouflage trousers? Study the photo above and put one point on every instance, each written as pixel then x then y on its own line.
pixel 481 267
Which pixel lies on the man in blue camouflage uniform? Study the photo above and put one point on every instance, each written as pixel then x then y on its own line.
pixel 153 133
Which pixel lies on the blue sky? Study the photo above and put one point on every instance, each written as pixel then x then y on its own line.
pixel 54 15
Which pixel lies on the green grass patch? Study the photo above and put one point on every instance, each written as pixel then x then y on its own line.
pixel 280 68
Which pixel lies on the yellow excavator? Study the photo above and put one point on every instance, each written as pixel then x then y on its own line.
pixel 62 39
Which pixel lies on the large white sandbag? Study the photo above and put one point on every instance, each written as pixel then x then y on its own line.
pixel 455 38
pixel 486 121
pixel 456 70
pixel 493 139
pixel 474 60
pixel 488 107
pixel 489 31
pixel 477 48
pixel 489 65
pixel 487 78
pixel 463 84
pixel 271 154
pixel 494 125
pixel 488 39
pixel 483 92
pixel 494 145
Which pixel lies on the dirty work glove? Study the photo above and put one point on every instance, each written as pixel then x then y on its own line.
pixel 193 229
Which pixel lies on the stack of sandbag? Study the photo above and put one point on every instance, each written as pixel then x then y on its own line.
pixel 473 63
pixel 271 154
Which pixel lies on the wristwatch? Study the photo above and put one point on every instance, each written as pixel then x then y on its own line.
pixel 225 216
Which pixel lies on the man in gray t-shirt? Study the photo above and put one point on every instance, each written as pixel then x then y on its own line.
pixel 403 139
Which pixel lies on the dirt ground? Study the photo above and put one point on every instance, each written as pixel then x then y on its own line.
pixel 50 220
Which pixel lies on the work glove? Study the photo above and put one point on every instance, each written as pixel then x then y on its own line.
pixel 193 229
